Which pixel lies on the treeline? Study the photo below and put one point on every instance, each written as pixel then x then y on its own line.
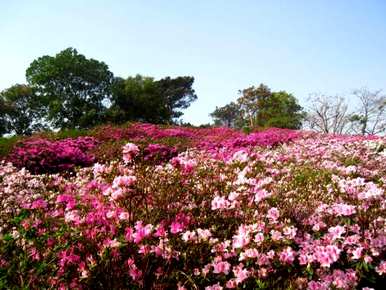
pixel 362 112
pixel 69 90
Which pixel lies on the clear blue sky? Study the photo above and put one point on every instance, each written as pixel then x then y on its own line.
pixel 298 46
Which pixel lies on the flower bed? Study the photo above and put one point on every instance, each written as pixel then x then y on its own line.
pixel 308 214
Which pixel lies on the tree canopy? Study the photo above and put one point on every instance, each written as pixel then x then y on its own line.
pixel 135 99
pixel 70 91
pixel 144 99
pixel 176 94
pixel 21 110
pixel 228 115
pixel 260 107
pixel 71 87
pixel 3 118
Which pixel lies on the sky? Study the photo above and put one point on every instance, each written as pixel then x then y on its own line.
pixel 302 47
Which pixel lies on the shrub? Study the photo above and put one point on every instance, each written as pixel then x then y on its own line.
pixel 46 156
pixel 6 145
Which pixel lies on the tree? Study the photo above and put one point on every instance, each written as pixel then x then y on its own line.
pixel 328 114
pixel 144 99
pixel 280 110
pixel 72 87
pixel 260 107
pixel 228 115
pixel 370 117
pixel 22 112
pixel 136 99
pixel 3 117
pixel 250 100
pixel 176 94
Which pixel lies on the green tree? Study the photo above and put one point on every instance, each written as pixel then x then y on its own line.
pixel 260 107
pixel 228 115
pixel 250 102
pixel 3 117
pixel 136 99
pixel 176 94
pixel 22 111
pixel 144 99
pixel 71 87
pixel 280 110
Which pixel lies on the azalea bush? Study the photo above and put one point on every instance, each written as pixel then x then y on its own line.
pixel 272 210
pixel 41 155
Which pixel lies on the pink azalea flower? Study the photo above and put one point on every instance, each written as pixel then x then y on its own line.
pixel 381 268
pixel 214 287
pixel 327 255
pixel 129 151
pixel 220 202
pixel 276 235
pixel 261 194
pixel 176 227
pixel 273 214
pixel 203 234
pixel 287 255
pixel 242 238
pixel 221 267
pixel 336 232
pixel 240 273
pixel 357 253
pixel 39 203
pixel 231 284
pixel 141 232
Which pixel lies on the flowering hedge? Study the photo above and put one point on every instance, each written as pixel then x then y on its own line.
pixel 42 155
pixel 309 214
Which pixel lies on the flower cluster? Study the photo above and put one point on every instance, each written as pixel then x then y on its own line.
pixel 40 155
pixel 291 211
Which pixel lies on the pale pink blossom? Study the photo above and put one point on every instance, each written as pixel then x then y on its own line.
pixel 220 202
pixel 240 273
pixel 273 214
pixel 336 232
pixel 221 267
pixel 326 255
pixel 216 286
pixel 261 194
pixel 129 151
pixel 287 255
pixel 381 268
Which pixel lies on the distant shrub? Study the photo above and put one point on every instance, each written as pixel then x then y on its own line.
pixel 6 145
pixel 40 155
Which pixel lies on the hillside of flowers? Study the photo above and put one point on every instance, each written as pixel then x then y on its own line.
pixel 149 207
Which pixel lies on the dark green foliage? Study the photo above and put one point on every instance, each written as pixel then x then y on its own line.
pixel 280 110
pixel 143 99
pixel 70 91
pixel 259 107
pixel 21 109
pixel 135 98
pixel 71 88
pixel 3 117
pixel 176 94
pixel 6 145
pixel 228 115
